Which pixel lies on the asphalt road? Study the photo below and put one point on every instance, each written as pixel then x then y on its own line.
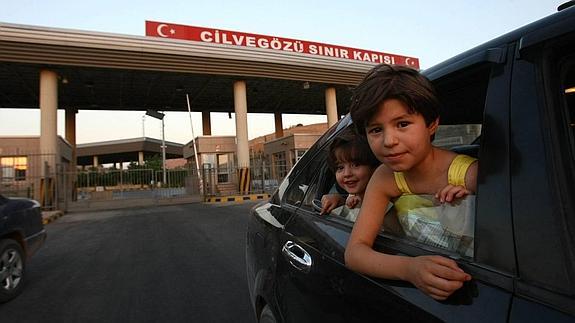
pixel 181 263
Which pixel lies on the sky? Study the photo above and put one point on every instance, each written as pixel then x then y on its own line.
pixel 432 31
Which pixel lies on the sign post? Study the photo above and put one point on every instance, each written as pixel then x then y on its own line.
pixel 159 115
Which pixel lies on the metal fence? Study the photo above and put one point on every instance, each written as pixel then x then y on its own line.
pixel 108 184
pixel 56 187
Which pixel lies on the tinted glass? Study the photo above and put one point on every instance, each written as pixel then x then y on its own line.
pixel 306 171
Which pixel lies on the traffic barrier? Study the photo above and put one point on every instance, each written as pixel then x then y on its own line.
pixel 244 175
pixel 237 198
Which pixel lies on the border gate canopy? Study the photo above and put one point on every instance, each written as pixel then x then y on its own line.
pixel 103 71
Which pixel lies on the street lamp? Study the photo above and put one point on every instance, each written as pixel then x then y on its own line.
pixel 159 115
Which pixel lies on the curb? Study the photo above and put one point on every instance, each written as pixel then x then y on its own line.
pixel 237 198
pixel 50 216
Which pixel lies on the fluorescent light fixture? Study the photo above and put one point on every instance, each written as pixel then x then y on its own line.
pixel 570 90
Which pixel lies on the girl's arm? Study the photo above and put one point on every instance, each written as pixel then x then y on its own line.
pixel 434 275
pixel 451 193
pixel 471 177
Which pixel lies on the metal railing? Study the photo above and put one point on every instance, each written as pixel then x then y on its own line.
pixel 56 188
pixel 136 183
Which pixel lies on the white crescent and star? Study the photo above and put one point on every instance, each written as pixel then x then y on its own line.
pixel 160 30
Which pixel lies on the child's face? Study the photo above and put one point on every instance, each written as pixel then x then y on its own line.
pixel 353 177
pixel 399 139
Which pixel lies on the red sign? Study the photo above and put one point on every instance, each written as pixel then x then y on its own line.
pixel 219 36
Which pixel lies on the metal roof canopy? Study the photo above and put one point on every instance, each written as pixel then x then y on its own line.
pixel 125 150
pixel 104 71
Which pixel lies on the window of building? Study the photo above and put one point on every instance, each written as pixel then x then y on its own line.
pixel 280 164
pixel 14 168
pixel 223 168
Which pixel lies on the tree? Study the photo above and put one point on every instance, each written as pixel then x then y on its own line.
pixel 155 163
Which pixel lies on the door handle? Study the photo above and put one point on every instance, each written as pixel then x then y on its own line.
pixel 297 256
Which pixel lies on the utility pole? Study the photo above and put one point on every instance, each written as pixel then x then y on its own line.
pixel 159 115
pixel 163 154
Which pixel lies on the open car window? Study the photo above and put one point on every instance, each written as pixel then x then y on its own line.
pixel 449 226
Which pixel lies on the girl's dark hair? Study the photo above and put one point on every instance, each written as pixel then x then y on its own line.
pixel 384 82
pixel 351 147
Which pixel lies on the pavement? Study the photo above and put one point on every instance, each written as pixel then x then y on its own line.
pixel 84 206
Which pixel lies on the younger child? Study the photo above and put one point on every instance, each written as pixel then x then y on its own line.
pixel 353 163
pixel 397 110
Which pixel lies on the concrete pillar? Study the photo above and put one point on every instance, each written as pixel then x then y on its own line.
pixel 140 158
pixel 71 138
pixel 331 106
pixel 243 152
pixel 95 161
pixel 71 135
pixel 49 118
pixel 279 124
pixel 241 107
pixel 45 188
pixel 206 123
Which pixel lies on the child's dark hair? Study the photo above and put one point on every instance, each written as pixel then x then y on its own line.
pixel 350 147
pixel 384 82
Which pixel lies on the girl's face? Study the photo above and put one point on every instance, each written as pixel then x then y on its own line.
pixel 399 139
pixel 353 177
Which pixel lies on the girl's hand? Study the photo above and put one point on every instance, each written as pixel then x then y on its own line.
pixel 436 276
pixel 330 202
pixel 352 201
pixel 450 193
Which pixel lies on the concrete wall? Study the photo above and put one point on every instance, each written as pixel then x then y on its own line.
pixel 211 144
pixel 30 145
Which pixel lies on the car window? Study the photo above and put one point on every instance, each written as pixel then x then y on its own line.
pixel 449 227
pixel 294 187
pixel 566 70
pixel 568 89
pixel 442 225
pixel 305 180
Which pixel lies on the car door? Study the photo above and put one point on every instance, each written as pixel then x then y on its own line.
pixel 544 122
pixel 303 290
pixel 330 291
pixel 326 290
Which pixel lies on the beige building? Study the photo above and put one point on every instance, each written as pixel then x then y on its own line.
pixel 218 160
pixel 25 168
pixel 284 152
pixel 270 158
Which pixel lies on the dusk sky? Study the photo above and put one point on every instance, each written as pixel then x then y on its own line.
pixel 429 30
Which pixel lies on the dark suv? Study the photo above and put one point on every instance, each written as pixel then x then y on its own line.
pixel 510 103
pixel 22 233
